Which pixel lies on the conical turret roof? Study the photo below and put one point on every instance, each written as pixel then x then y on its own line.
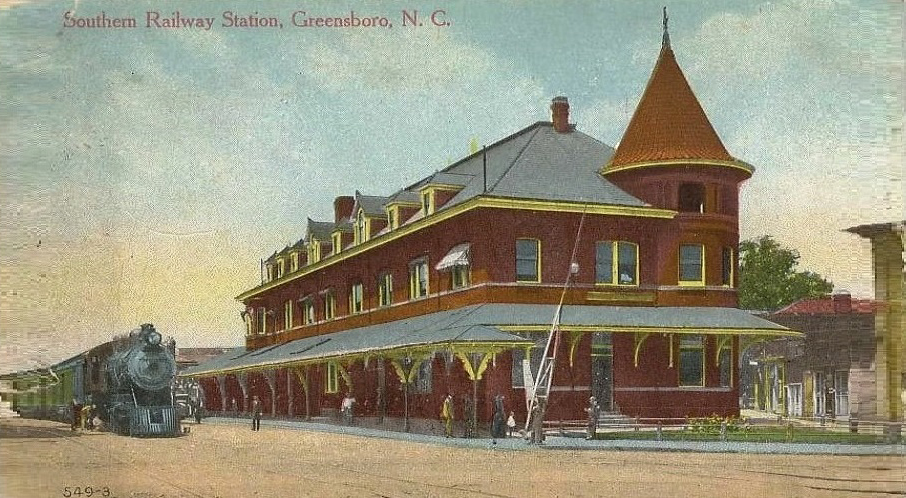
pixel 669 123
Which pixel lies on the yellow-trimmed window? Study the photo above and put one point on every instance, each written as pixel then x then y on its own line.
pixel 356 298
pixel 337 242
pixel 460 276
pixel 528 260
pixel 428 202
pixel 361 227
pixel 288 315
pixel 281 266
pixel 332 378
pixel 314 251
pixel 727 267
pixel 294 262
pixel 692 361
pixel 385 289
pixel 418 278
pixel 616 263
pixel 393 217
pixel 692 265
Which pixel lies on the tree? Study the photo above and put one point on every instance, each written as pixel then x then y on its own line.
pixel 768 279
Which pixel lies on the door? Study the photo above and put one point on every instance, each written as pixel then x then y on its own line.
pixel 819 397
pixel 794 400
pixel 602 370
pixel 841 393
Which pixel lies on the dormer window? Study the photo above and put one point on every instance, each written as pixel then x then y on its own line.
pixel 393 217
pixel 337 238
pixel 361 227
pixel 314 251
pixel 280 268
pixel 428 202
pixel 294 262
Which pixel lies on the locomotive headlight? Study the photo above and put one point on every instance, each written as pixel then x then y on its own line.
pixel 153 338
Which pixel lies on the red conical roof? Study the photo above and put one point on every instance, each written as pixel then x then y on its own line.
pixel 669 123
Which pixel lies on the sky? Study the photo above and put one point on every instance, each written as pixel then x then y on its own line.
pixel 145 172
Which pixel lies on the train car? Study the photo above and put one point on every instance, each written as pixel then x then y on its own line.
pixel 128 381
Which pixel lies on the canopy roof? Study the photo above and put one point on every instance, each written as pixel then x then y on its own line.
pixel 486 327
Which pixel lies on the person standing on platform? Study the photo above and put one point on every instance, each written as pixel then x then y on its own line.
pixel 511 424
pixel 346 408
pixel 76 413
pixel 593 411
pixel 446 414
pixel 256 414
pixel 198 411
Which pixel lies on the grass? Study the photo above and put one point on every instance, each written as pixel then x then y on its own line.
pixel 753 435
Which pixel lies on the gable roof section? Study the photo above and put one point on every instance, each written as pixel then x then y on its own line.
pixel 669 122
pixel 319 229
pixel 373 205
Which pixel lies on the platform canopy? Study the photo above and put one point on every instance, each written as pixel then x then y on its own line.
pixel 486 328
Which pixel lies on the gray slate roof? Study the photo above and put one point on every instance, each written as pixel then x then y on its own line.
pixel 373 205
pixel 480 324
pixel 319 229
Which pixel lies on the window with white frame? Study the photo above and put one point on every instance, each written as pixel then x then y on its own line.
pixel 356 298
pixel 528 260
pixel 262 320
pixel 288 315
pixel 308 311
pixel 692 360
pixel 616 263
pixel 460 276
pixel 385 289
pixel 330 305
pixel 418 278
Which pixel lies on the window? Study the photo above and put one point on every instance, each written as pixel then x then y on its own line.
pixel 427 202
pixel 356 298
pixel 337 242
pixel 308 311
pixel 288 315
pixel 423 377
pixel 692 264
pixel 393 217
pixel 247 317
pixel 460 276
pixel 528 260
pixel 294 262
pixel 726 267
pixel 616 263
pixel 361 227
pixel 692 361
pixel 385 289
pixel 269 272
pixel 418 279
pixel 330 305
pixel 314 251
pixel 725 364
pixel 692 198
pixel 280 267
pixel 262 320
pixel 332 380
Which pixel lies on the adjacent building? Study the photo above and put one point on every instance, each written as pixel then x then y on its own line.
pixel 451 284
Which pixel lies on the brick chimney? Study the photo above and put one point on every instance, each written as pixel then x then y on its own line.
pixel 843 302
pixel 560 114
pixel 342 208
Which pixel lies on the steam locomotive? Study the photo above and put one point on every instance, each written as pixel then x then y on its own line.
pixel 128 381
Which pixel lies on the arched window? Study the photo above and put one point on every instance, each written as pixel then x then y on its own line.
pixel 692 198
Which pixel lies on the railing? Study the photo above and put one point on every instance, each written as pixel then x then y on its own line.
pixel 795 430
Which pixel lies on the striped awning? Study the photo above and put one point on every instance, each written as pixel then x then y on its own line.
pixel 458 256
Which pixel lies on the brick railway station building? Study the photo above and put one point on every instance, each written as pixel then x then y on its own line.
pixel 450 285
